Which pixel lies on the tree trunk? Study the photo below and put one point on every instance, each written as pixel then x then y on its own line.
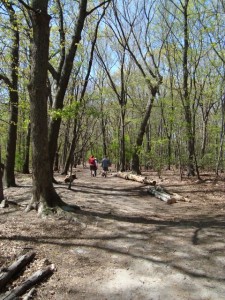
pixel 139 140
pixel 103 129
pixel 66 142
pixel 64 80
pixel 71 151
pixel 1 183
pixel 9 176
pixel 122 139
pixel 27 152
pixel 44 194
pixel 169 147
pixel 186 96
pixel 222 133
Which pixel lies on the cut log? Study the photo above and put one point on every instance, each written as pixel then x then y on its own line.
pixel 138 178
pixel 29 295
pixel 30 282
pixel 4 203
pixel 178 197
pixel 122 175
pixel 7 273
pixel 159 193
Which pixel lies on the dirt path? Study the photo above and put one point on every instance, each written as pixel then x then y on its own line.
pixel 136 247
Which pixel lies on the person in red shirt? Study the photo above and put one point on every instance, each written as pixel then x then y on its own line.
pixel 93 165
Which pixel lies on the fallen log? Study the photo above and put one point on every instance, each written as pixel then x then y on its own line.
pixel 178 197
pixel 29 295
pixel 4 203
pixel 134 177
pixel 161 194
pixel 30 282
pixel 7 273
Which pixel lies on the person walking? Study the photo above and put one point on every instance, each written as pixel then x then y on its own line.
pixel 93 165
pixel 105 165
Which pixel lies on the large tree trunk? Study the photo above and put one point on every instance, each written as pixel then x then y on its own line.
pixel 44 194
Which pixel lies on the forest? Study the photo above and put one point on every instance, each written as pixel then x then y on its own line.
pixel 142 83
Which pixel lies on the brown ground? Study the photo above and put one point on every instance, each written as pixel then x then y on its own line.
pixel 135 247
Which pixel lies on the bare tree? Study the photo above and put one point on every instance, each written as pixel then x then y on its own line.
pixel 120 91
pixel 137 42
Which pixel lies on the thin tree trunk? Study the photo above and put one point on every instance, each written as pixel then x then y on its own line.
pixel 222 133
pixel 187 109
pixel 103 129
pixel 1 183
pixel 140 136
pixel 66 142
pixel 27 152
pixel 122 141
pixel 9 175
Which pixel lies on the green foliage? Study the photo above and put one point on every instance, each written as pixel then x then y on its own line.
pixel 19 161
pixel 68 112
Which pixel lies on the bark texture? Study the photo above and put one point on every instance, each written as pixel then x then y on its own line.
pixel 44 194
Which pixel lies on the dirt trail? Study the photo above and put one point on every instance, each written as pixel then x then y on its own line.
pixel 167 252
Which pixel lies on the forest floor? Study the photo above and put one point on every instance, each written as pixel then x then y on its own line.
pixel 134 247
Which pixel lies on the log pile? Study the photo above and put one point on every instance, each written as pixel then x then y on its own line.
pixel 8 274
pixel 154 190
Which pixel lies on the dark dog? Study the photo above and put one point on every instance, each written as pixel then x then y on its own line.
pixel 103 173
pixel 70 178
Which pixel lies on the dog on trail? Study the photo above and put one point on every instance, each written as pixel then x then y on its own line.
pixel 70 178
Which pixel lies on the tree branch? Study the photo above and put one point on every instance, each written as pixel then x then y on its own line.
pixel 53 72
pixel 6 80
pixel 91 11
pixel 26 5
